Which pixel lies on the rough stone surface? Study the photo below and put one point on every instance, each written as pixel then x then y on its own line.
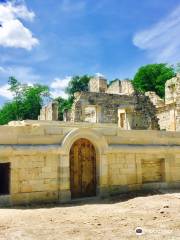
pixel 118 103
pixel 168 110
pixel 103 108
pixel 121 87
pixel 49 112
pixel 38 153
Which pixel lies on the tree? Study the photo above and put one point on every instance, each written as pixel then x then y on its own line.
pixel 26 104
pixel 152 77
pixel 77 84
pixel 63 105
pixel 16 88
pixel 33 100
pixel 8 113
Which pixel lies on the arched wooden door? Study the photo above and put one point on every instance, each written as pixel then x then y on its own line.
pixel 82 169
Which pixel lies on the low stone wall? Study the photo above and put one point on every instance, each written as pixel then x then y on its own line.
pixel 38 153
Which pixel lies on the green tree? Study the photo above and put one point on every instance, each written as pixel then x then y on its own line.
pixel 77 84
pixel 8 112
pixel 26 104
pixel 152 77
pixel 33 97
pixel 16 88
pixel 63 105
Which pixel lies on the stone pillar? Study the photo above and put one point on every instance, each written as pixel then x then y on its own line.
pixel 64 179
pixel 55 111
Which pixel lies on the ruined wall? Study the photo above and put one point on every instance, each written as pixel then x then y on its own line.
pixel 140 111
pixel 155 99
pixel 168 111
pixel 38 152
pixel 127 87
pixel 49 112
pixel 114 87
pixel 98 84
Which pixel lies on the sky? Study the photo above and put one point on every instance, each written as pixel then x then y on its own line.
pixel 49 41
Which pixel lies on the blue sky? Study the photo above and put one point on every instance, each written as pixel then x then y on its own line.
pixel 48 41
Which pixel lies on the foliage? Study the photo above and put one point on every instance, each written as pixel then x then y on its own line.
pixel 63 105
pixel 77 84
pixel 152 77
pixel 26 104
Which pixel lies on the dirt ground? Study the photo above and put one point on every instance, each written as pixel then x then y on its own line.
pixel 158 214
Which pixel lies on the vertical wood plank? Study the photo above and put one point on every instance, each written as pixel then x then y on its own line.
pixel 83 169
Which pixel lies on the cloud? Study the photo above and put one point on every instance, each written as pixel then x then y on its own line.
pixel 161 41
pixel 99 75
pixel 23 74
pixel 72 6
pixel 4 92
pixel 12 31
pixel 58 87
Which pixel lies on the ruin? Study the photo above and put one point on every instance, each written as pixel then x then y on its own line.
pixel 119 103
pixel 168 109
pixel 110 143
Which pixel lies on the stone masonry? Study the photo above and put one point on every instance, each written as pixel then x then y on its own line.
pixel 37 155
pixel 119 103
pixel 168 110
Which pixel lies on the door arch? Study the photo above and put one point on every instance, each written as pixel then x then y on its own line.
pixel 82 169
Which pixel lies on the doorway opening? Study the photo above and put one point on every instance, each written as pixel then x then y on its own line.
pixel 82 169
pixel 4 178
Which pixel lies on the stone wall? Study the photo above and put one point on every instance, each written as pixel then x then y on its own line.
pixel 140 112
pixel 123 87
pixel 168 110
pixel 98 84
pixel 49 112
pixel 38 153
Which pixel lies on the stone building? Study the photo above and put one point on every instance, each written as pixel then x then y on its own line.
pixel 93 154
pixel 51 161
pixel 168 109
pixel 113 103
pixel 49 112
pixel 118 103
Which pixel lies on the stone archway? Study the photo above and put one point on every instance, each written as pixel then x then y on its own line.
pixel 101 147
pixel 82 169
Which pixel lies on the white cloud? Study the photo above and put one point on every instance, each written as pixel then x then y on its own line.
pixel 23 74
pixel 13 33
pixel 161 41
pixel 58 87
pixel 4 92
pixel 99 74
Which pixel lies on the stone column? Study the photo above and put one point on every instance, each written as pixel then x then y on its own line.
pixel 64 179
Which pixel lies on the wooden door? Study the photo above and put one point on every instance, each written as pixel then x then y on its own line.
pixel 82 169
